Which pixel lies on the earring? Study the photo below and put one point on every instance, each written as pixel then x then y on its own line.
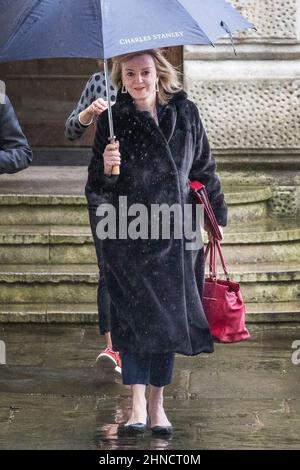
pixel 123 90
pixel 157 87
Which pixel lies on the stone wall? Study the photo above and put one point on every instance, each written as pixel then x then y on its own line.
pixel 274 19
pixel 251 103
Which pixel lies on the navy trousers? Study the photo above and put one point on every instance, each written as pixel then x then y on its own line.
pixel 153 369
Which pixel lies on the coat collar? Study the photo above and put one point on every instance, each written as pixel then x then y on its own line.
pixel 167 113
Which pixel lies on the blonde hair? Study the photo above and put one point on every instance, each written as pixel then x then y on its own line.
pixel 168 77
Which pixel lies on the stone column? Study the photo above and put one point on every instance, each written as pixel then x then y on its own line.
pixel 250 103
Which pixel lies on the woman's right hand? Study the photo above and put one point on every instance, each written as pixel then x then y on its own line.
pixel 111 157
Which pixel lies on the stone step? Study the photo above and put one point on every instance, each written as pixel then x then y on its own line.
pixel 42 180
pixel 87 313
pixel 41 244
pixel 44 195
pixel 270 240
pixel 43 210
pixel 71 180
pixel 71 210
pixel 247 203
pixel 77 283
pixel 271 312
pixel 55 195
pixel 267 241
pixel 49 313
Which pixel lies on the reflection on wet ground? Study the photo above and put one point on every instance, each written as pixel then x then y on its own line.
pixel 244 396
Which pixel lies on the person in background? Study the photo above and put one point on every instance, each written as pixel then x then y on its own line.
pixel 92 103
pixel 15 153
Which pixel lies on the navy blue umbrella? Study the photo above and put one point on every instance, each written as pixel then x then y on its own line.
pixel 41 29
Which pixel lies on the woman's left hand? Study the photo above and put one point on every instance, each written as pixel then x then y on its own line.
pixel 221 231
pixel 210 236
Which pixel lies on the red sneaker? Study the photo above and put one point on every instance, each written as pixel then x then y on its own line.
pixel 109 359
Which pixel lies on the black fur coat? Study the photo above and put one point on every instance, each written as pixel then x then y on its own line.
pixel 156 285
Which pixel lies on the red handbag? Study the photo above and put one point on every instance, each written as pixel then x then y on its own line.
pixel 223 303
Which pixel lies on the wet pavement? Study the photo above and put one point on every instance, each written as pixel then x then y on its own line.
pixel 244 396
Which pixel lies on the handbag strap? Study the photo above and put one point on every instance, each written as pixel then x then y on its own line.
pixel 218 245
pixel 210 213
pixel 211 249
pixel 213 245
pixel 201 194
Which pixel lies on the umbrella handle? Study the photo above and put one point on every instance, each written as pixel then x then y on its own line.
pixel 115 169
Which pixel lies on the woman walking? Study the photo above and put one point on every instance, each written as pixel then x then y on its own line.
pixel 156 308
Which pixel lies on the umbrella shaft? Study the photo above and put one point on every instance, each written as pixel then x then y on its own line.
pixel 110 119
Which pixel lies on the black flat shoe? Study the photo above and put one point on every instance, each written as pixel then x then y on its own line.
pixel 162 430
pixel 132 429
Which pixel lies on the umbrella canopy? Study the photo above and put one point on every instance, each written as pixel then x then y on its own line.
pixel 43 29
pixel 40 29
